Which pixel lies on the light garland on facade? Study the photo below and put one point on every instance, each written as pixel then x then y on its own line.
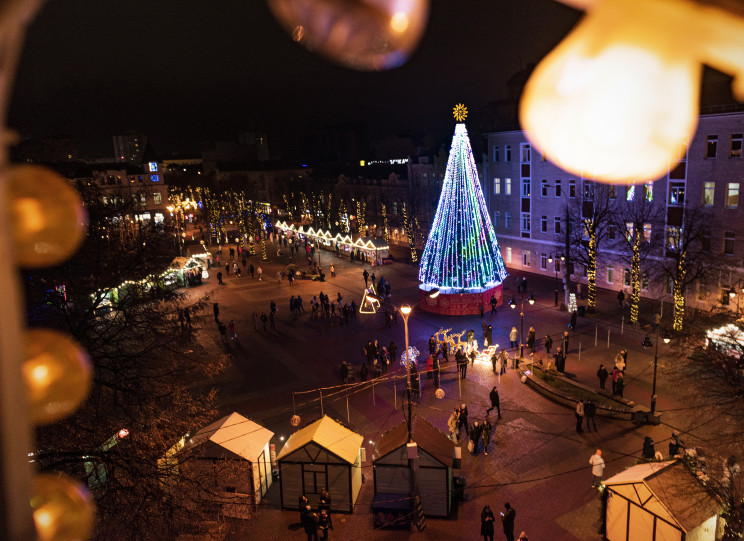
pixel 592 271
pixel 635 276
pixel 408 227
pixel 462 251
pixel 385 231
pixel 679 293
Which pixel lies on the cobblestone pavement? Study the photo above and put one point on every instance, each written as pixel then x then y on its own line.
pixel 539 463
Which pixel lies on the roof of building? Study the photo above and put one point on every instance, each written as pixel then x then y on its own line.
pixel 328 434
pixel 675 487
pixel 235 433
pixel 426 436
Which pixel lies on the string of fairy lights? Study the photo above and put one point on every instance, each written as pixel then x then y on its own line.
pixel 462 251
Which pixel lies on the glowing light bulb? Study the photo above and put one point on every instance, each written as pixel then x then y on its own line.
pixel 63 510
pixel 49 220
pixel 57 375
pixel 618 98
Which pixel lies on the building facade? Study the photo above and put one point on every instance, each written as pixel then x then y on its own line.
pixel 538 212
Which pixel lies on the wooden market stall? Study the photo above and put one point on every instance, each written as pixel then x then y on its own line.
pixel 324 454
pixel 434 479
pixel 662 501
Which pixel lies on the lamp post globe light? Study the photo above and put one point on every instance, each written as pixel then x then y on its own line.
pixel 513 305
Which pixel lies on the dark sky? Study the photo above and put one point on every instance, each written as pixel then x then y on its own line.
pixel 188 71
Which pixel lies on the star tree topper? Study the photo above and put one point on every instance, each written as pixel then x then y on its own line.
pixel 460 112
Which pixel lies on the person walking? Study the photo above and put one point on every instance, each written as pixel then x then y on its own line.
pixel 333 271
pixel 264 319
pixel 463 420
pixel 493 302
pixel 486 435
pixel 565 342
pixel 219 278
pixel 272 320
pixel 614 376
pixel 487 520
pixel 252 270
pixel 620 362
pixel 513 335
pixel 452 424
pixel 489 335
pixel 598 466
pixel 365 275
pixel 259 270
pixel 310 524
pixel 187 317
pixel 216 310
pixel 507 521
pixel 602 374
pixel 531 339
pixel 548 344
pixel 590 412
pixel 495 401
pixel 324 524
pixel 232 327
pixel 648 448
pixel 579 416
pixel 475 434
pixel 620 384
pixel 620 298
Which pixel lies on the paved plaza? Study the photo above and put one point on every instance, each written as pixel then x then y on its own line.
pixel 538 462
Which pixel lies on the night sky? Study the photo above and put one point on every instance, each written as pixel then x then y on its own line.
pixel 188 71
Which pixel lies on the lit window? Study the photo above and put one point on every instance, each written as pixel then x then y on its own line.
pixel 543 188
pixel 526 187
pixel 677 193
pixel 544 224
pixel 543 262
pixel 496 186
pixel 629 230
pixel 629 192
pixel 736 140
pixel 588 190
pixel 647 232
pixel 709 192
pixel 557 225
pixel 673 238
pixel 728 242
pixel 732 195
pixel 153 167
pixel 526 222
pixel 157 198
pixel 508 254
pixel 507 186
pixel 610 275
pixel 155 178
pixel 507 153
pixel 526 258
pixel 711 146
pixel 557 188
pixel 572 188
pixel 648 190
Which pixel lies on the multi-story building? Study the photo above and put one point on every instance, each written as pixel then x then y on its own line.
pixel 533 202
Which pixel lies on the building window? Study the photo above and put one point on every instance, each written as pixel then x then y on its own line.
pixel 648 190
pixel 705 240
pixel 572 188
pixel 525 222
pixel 526 187
pixel 612 231
pixel 626 277
pixel 588 190
pixel 711 146
pixel 672 238
pixel 496 218
pixel 544 224
pixel 629 192
pixel 613 191
pixel 496 153
pixel 525 258
pixel 507 186
pixel 702 290
pixel 507 220
pixel 496 186
pixel 669 289
pixel 647 232
pixel 732 195
pixel 610 275
pixel 526 150
pixel 728 242
pixel 155 178
pixel 557 225
pixel 644 281
pixel 677 193
pixel 736 140
pixel 507 153
pixel 629 230
pixel 508 254
pixel 557 188
pixel 543 261
pixel 157 198
pixel 709 192
pixel 544 188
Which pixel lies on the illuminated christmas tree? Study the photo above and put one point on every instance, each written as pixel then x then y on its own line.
pixel 462 252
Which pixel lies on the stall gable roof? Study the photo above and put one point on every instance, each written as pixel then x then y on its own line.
pixel 235 433
pixel 426 436
pixel 328 434
pixel 674 488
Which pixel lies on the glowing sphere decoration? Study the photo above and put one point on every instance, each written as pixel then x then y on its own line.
pixel 439 393
pixel 367 35
pixel 49 220
pixel 63 509
pixel 57 373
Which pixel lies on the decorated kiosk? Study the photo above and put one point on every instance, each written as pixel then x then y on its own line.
pixel 462 257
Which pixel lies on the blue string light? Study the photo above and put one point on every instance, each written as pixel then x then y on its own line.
pixel 462 251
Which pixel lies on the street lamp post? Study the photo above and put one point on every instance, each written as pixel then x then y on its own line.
pixel 647 344
pixel 513 305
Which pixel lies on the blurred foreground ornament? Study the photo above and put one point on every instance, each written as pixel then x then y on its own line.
pixel 439 393
pixel 57 373
pixel 294 420
pixel 625 83
pixel 49 220
pixel 63 509
pixel 367 35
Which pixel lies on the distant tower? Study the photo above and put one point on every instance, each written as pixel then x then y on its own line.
pixel 129 148
pixel 462 257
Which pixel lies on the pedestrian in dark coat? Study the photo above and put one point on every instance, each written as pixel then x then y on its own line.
pixel 648 448
pixel 602 374
pixel 393 349
pixel 507 519
pixel 432 345
pixel 304 502
pixel 324 524
pixel 495 402
pixel 615 373
pixel 494 302
pixel 475 434
pixel 310 524
pixel 565 342
pixel 463 419
pixel 219 278
pixel 436 372
pixel 487 520
pixel 574 316
pixel 531 339
pixel 264 320
pixel 489 335
pixel 620 384
pixel 216 310
pixel 548 344
pixel 486 435
pixel 590 412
